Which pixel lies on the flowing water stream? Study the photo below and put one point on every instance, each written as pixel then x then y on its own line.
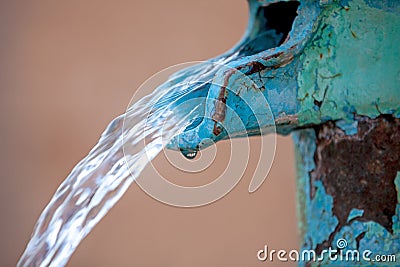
pixel 99 180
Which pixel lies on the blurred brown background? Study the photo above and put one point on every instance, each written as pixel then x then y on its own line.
pixel 66 69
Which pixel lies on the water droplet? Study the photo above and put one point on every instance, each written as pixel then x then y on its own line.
pixel 189 154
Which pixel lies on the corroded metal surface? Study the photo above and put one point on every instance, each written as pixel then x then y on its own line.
pixel 349 187
pixel 338 59
pixel 330 74
pixel 259 69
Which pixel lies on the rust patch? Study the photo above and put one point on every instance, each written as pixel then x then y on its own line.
pixel 276 55
pixel 286 120
pixel 217 130
pixel 220 104
pixel 255 66
pixel 293 47
pixel 358 171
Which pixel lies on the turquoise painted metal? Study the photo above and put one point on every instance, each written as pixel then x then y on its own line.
pixel 337 59
pixel 325 71
pixel 349 192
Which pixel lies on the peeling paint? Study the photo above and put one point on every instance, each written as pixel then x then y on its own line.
pixel 351 65
pixel 333 83
pixel 355 197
